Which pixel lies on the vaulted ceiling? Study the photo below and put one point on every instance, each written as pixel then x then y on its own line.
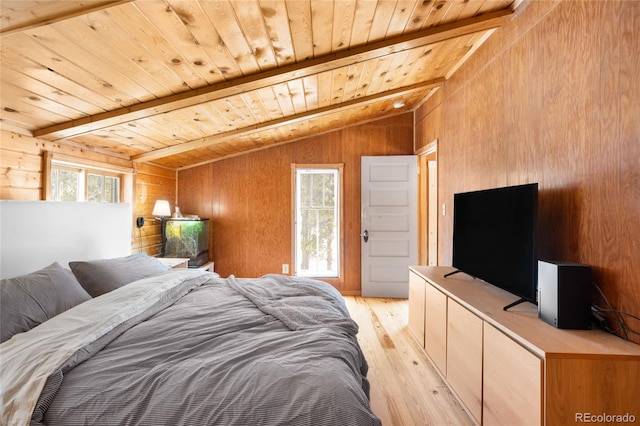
pixel 183 82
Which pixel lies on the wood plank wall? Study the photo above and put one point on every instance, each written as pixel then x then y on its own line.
pixel 152 183
pixel 248 198
pixel 21 162
pixel 553 98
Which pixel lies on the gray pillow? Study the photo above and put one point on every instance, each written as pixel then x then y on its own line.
pixel 104 275
pixel 29 300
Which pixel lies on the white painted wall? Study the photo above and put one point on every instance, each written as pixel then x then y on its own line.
pixel 34 234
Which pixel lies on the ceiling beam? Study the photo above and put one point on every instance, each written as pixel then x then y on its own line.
pixel 292 119
pixel 40 21
pixel 300 137
pixel 280 75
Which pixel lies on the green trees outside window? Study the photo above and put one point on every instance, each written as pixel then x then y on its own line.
pixel 78 184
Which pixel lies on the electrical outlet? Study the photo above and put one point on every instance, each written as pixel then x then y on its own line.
pixel 285 268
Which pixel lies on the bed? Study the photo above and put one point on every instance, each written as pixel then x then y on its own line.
pixel 126 341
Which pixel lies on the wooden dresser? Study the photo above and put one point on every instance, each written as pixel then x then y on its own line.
pixel 510 367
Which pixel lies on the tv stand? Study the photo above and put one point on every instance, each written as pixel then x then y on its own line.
pixel 456 272
pixel 510 367
pixel 517 302
pixel 510 305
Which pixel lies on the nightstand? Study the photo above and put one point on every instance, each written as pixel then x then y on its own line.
pixel 175 262
pixel 207 267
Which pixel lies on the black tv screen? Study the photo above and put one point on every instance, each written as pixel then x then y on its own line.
pixel 494 237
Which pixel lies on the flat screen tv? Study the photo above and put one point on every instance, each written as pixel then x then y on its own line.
pixel 494 238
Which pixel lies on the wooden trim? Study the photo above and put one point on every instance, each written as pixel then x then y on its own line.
pixel 423 188
pixel 426 223
pixel 46 175
pixel 341 214
pixel 429 148
pixel 87 163
pixel 282 75
pixel 425 99
pixel 340 168
pixel 292 263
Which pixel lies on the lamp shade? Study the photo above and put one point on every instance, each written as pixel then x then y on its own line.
pixel 161 208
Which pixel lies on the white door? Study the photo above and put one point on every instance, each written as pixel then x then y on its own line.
pixel 389 225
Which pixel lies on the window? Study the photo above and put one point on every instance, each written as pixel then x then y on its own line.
pixel 69 180
pixel 317 223
pixel 65 184
pixel 80 184
pixel 103 187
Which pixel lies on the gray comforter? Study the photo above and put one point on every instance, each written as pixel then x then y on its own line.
pixel 270 351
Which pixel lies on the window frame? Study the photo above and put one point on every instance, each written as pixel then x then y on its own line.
pixel 85 167
pixel 339 167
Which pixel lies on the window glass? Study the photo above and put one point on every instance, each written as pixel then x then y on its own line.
pixel 54 184
pixel 112 189
pixel 79 184
pixel 317 227
pixel 95 187
pixel 67 185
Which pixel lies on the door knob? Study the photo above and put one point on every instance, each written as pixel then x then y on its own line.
pixel 365 235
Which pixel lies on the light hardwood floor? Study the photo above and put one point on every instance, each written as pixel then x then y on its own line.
pixel 405 388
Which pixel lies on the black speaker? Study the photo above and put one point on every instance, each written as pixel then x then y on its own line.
pixel 564 294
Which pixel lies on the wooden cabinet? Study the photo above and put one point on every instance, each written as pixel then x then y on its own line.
pixel 512 381
pixel 510 367
pixel 428 320
pixel 464 357
pixel 436 327
pixel 584 387
pixel 417 288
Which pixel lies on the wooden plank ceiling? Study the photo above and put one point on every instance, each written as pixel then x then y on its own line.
pixel 183 82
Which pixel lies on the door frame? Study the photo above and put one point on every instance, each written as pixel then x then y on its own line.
pixel 427 206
